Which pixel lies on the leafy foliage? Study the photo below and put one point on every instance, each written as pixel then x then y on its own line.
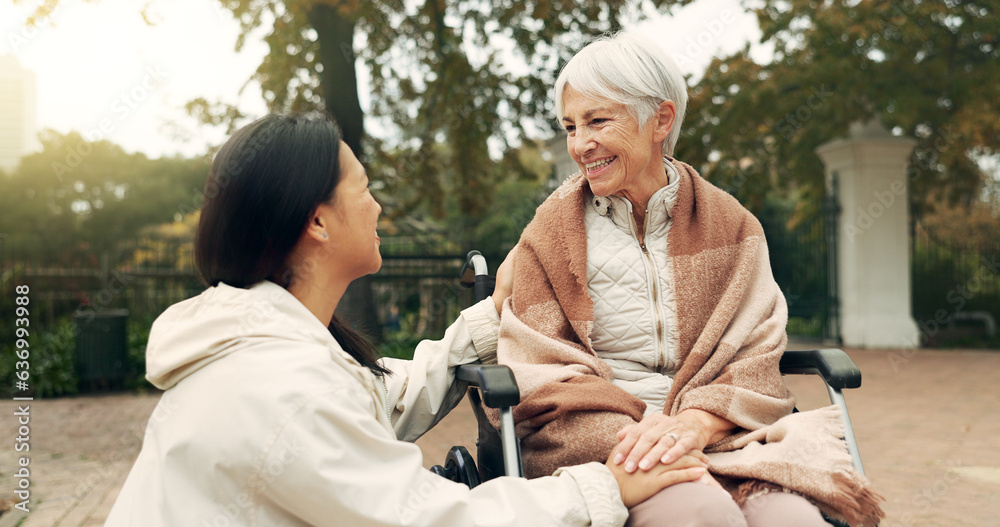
pixel 926 69
pixel 52 364
pixel 51 358
pixel 137 338
pixel 76 196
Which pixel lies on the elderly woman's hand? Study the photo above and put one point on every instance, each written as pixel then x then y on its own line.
pixel 505 280
pixel 660 438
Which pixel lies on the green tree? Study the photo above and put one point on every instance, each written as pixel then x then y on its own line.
pixel 927 70
pixel 77 196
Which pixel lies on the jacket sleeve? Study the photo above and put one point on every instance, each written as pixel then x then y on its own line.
pixel 333 463
pixel 423 390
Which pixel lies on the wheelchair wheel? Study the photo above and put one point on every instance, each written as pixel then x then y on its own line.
pixel 459 467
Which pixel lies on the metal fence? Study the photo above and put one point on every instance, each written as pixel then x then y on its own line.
pixel 803 259
pixel 956 288
pixel 416 291
pixel 143 276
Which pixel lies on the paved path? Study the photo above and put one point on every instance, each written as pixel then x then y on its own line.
pixel 927 422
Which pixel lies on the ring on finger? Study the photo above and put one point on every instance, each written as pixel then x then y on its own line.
pixel 673 436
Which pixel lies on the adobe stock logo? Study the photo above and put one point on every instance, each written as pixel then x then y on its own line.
pixel 867 216
pixel 129 100
pixel 22 37
pixel 699 43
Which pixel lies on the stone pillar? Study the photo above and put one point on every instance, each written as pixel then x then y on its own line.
pixel 563 165
pixel 868 172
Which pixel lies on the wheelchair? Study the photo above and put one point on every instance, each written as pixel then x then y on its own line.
pixel 494 386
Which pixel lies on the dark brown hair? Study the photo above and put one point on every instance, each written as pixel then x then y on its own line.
pixel 264 185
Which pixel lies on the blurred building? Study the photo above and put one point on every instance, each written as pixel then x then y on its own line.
pixel 18 109
pixel 563 165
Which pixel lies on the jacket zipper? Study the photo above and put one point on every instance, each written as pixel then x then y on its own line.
pixel 385 398
pixel 654 285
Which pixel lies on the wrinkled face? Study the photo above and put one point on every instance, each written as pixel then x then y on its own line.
pixel 612 150
pixel 355 218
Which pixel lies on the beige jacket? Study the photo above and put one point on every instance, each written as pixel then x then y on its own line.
pixel 267 421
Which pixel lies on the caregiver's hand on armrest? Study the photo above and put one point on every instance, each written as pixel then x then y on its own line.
pixel 639 486
pixel 660 438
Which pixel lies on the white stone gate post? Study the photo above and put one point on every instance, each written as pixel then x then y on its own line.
pixel 873 236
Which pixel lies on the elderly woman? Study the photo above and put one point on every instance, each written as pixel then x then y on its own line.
pixel 645 321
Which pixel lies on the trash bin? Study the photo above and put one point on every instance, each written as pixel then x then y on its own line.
pixel 101 349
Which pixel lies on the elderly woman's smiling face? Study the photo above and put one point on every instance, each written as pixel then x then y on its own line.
pixel 616 154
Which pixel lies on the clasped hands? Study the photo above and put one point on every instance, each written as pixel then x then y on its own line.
pixel 663 450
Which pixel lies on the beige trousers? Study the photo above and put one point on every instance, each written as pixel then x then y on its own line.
pixel 694 504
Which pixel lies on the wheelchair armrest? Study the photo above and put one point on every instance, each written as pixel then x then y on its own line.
pixel 836 368
pixel 496 382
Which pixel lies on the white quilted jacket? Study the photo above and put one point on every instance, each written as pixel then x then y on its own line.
pixel 631 286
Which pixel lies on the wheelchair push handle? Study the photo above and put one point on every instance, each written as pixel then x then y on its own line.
pixel 475 273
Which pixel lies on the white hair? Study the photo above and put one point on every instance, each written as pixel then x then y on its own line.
pixel 628 69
